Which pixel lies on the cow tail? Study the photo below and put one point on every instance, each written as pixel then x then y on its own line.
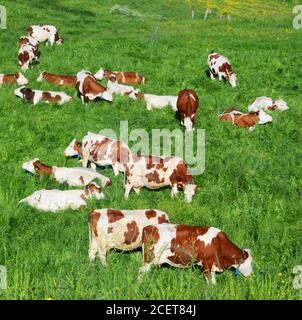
pixel 89 234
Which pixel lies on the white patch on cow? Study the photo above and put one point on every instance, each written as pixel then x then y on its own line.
pixel 100 74
pixel 21 80
pixel 191 95
pixel 189 192
pixel 29 166
pixel 209 236
pixel 264 117
pixel 188 124
pixel 1 78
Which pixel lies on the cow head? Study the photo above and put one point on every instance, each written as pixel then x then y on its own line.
pixel 25 93
pixel 95 190
pixel 21 80
pixel 264 117
pixel 30 165
pixel 100 74
pixel 245 267
pixel 281 105
pixel 73 149
pixel 189 191
pixel 138 94
pixel 58 39
pixel 40 77
pixel 232 78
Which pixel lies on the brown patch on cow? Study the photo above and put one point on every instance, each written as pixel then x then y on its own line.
pixel 128 77
pixel 41 168
pixel 132 232
pixel 226 68
pixel 110 230
pixel 214 56
pixel 93 219
pixel 28 94
pixel 272 108
pixel 150 239
pixel 23 57
pixel 154 177
pixel 59 79
pixel 10 78
pixel 181 175
pixel 150 214
pixel 119 153
pixel 162 219
pixel 100 148
pixel 187 104
pixel 46 96
pixel 94 188
pixel 29 31
pixel 82 180
pixel 91 86
pixel 114 215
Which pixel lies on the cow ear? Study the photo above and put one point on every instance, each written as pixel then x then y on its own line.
pixel 112 78
pixel 79 144
pixel 245 255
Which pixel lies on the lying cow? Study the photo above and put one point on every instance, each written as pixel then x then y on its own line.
pixel 89 89
pixel 267 104
pixel 182 245
pixel 27 55
pixel 35 96
pixel 123 90
pixel 119 229
pixel 104 151
pixel 15 78
pixel 29 41
pixel 74 177
pixel 120 77
pixel 45 33
pixel 187 105
pixel 57 79
pixel 159 102
pixel 244 120
pixel 55 200
pixel 220 66
pixel 155 172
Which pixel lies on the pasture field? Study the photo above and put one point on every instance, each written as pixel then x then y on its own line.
pixel 252 184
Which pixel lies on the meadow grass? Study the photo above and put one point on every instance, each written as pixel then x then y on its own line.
pixel 251 187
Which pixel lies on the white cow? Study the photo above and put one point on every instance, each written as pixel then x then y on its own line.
pixel 159 102
pixel 122 89
pixel 267 104
pixel 74 177
pixel 55 200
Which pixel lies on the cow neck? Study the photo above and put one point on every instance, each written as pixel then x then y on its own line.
pixel 43 168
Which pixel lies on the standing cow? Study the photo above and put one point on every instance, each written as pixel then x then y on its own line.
pixel 187 105
pixel 220 66
pixel 45 33
pixel 182 245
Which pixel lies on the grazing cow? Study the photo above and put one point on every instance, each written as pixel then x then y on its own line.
pixel 121 89
pixel 57 79
pixel 244 120
pixel 45 33
pixel 220 66
pixel 155 172
pixel 119 229
pixel 120 77
pixel 104 151
pixel 17 78
pixel 35 96
pixel 267 104
pixel 187 105
pixel 29 41
pixel 159 102
pixel 26 56
pixel 182 245
pixel 56 200
pixel 89 89
pixel 74 177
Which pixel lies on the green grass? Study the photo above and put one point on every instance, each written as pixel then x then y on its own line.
pixel 251 187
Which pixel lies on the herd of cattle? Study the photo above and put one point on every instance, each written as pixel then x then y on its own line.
pixel 162 242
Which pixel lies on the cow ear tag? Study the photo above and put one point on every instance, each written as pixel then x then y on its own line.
pixel 236 272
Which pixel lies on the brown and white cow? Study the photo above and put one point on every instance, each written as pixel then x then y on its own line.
pixel 45 33
pixel 182 246
pixel 26 56
pixel 89 89
pixel 155 172
pixel 27 40
pixel 120 77
pixel 15 78
pixel 220 66
pixel 119 229
pixel 187 105
pixel 35 96
pixel 244 120
pixel 104 151
pixel 57 79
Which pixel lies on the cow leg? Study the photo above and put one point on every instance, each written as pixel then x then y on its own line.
pixel 93 166
pixel 220 76
pixel 142 270
pixel 137 190
pixel 115 169
pixel 102 256
pixel 212 75
pixel 93 249
pixel 128 188
pixel 252 128
pixel 174 191
pixel 149 107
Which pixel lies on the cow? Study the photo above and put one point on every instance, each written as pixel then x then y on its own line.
pixel 74 177
pixel 57 79
pixel 181 246
pixel 27 55
pixel 45 33
pixel 35 96
pixel 159 102
pixel 104 151
pixel 155 172
pixel 15 78
pixel 220 66
pixel 244 120
pixel 55 200
pixel 187 105
pixel 119 229
pixel 121 77
pixel 24 40
pixel 89 89
pixel 123 90
pixel 267 104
